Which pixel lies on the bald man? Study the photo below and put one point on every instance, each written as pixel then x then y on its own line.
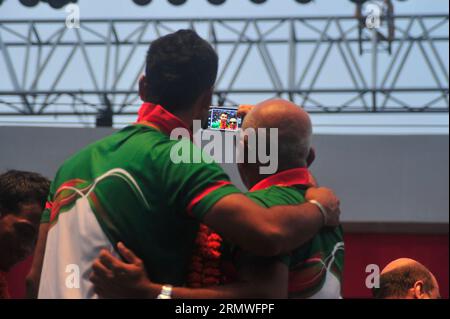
pixel 406 278
pixel 313 270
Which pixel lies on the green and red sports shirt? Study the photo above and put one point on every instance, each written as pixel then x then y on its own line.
pixel 126 188
pixel 315 268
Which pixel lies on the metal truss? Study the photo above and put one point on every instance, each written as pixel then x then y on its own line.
pixel 48 69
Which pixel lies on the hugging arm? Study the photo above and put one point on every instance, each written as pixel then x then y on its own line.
pixel 113 278
pixel 271 231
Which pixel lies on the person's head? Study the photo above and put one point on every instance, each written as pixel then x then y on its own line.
pixel 407 279
pixel 180 74
pixel 294 136
pixel 223 117
pixel 233 123
pixel 22 200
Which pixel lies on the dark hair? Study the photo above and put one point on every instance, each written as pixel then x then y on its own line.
pixel 180 67
pixel 397 282
pixel 18 187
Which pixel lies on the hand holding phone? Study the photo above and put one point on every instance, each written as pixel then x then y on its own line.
pixel 244 109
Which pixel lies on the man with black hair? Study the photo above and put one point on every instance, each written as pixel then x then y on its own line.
pixel 406 278
pixel 128 188
pixel 22 201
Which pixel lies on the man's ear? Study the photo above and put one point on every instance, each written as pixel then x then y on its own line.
pixel 143 88
pixel 202 105
pixel 418 290
pixel 311 157
pixel 205 99
pixel 244 142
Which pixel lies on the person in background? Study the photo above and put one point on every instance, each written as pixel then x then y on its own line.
pixel 406 278
pixel 22 201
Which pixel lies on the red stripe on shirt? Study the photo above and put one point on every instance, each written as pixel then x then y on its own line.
pixel 292 177
pixel 205 193
pixel 48 205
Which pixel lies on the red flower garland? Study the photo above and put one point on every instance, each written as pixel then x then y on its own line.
pixel 205 266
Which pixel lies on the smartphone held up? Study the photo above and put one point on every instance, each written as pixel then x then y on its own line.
pixel 224 119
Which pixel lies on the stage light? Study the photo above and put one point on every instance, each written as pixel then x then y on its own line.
pixel 216 2
pixel 304 1
pixel 142 2
pixel 177 2
pixel 58 4
pixel 258 1
pixel 29 3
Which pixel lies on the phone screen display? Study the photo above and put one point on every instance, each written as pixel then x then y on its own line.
pixel 224 119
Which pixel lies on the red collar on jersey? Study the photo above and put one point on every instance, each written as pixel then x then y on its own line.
pixel 161 118
pixel 292 177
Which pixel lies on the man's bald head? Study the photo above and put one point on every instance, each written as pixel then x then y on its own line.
pixel 406 278
pixel 400 263
pixel 294 129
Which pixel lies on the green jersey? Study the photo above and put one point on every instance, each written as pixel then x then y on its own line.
pixel 315 268
pixel 126 188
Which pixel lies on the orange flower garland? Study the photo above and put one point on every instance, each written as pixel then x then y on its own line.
pixel 205 266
